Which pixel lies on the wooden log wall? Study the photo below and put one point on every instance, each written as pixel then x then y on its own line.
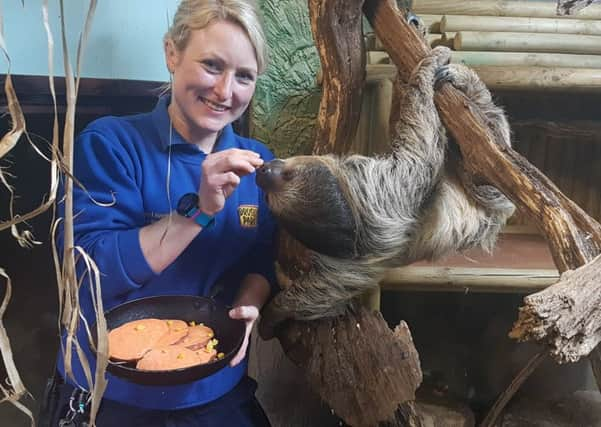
pixel 569 153
pixel 514 45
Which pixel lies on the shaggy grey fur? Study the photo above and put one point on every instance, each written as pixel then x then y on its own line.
pixel 372 213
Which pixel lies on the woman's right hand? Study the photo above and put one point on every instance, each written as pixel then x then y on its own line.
pixel 221 173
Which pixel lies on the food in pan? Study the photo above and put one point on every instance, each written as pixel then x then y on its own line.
pixel 168 357
pixel 178 329
pixel 130 341
pixel 198 336
pixel 160 345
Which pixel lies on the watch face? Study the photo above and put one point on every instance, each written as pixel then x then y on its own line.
pixel 187 203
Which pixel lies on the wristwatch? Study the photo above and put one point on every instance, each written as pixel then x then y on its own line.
pixel 188 206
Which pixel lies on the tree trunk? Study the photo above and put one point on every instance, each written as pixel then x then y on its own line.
pixel 338 37
pixel 361 368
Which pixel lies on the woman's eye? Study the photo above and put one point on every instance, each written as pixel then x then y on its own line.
pixel 245 78
pixel 211 66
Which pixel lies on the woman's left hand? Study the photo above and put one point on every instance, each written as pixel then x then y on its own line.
pixel 248 313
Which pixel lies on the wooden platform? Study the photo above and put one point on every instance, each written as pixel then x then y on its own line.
pixel 520 263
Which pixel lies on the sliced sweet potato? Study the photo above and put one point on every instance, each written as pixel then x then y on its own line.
pixel 168 358
pixel 198 337
pixel 131 340
pixel 206 355
pixel 177 330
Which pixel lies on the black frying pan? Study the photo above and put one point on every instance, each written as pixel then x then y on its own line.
pixel 229 332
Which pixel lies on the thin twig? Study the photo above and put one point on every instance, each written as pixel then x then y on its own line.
pixel 505 397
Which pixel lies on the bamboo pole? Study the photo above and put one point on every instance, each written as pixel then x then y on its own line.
pixel 518 24
pixel 509 59
pixel 526 59
pixel 539 9
pixel 518 78
pixel 432 39
pixel 503 280
pixel 527 42
pixel 532 78
pixel 446 39
pixel 377 57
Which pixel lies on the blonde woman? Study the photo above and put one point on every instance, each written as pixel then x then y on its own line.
pixel 214 50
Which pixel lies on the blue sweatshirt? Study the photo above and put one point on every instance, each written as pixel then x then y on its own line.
pixel 126 159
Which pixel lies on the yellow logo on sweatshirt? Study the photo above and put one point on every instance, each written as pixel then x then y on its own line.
pixel 248 215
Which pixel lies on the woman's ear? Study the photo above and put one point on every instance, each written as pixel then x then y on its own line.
pixel 171 55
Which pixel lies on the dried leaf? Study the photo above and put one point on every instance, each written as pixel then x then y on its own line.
pixel 17 386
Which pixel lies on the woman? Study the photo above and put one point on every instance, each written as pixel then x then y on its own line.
pixel 144 245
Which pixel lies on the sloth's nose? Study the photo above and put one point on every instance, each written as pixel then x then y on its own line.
pixel 270 174
pixel 274 167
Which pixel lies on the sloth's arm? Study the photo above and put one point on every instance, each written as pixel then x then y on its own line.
pixel 418 141
pixel 462 214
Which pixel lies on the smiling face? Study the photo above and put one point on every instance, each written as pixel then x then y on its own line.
pixel 214 79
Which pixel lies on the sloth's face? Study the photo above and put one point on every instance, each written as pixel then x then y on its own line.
pixel 305 197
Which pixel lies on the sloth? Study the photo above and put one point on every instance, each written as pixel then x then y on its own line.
pixel 357 216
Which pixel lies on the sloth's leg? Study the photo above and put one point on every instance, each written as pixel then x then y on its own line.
pixel 468 82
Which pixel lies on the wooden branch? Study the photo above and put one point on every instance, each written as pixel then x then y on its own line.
pixel 570 7
pixel 337 31
pixel 491 418
pixel 566 314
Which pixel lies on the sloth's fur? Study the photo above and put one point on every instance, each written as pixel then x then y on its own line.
pixel 361 215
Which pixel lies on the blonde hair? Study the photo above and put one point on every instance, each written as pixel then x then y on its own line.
pixel 198 14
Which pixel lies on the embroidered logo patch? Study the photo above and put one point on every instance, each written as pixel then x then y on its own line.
pixel 248 215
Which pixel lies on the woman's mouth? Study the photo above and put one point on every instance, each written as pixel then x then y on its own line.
pixel 213 105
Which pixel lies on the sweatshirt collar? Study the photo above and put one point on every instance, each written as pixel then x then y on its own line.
pixel 160 117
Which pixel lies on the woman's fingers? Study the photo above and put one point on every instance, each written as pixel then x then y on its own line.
pixel 249 314
pixel 221 173
pixel 241 162
pixel 244 312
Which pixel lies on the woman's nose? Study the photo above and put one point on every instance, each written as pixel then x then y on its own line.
pixel 223 87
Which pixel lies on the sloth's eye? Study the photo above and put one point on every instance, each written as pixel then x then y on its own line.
pixel 287 174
